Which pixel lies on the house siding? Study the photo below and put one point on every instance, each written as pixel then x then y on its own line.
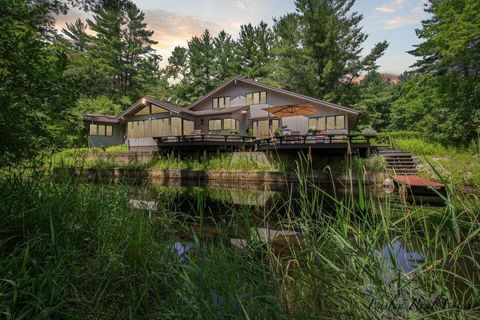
pixel 238 92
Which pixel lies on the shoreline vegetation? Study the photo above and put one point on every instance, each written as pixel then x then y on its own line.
pixel 70 248
pixel 461 167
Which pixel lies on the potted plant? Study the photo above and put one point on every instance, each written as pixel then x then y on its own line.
pixel 312 132
pixel 234 132
pixel 278 132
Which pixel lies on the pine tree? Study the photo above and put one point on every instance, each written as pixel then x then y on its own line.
pixel 225 64
pixel 122 45
pixel 200 59
pixel 76 32
pixel 451 37
pixel 254 50
pixel 327 47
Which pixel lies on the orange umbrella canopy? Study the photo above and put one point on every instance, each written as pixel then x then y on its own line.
pixel 292 110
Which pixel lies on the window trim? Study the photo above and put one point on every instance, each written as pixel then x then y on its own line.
pixel 252 99
pixel 216 119
pixel 225 105
pixel 97 131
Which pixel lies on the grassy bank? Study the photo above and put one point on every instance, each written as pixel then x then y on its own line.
pixel 79 158
pixel 78 251
pixel 461 166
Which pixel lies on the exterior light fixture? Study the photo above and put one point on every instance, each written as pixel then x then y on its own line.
pixel 144 101
pixel 244 111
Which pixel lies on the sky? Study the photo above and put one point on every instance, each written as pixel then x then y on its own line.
pixel 176 21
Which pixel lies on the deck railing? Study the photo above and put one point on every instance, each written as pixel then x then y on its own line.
pixel 235 139
pixel 314 139
pixel 226 138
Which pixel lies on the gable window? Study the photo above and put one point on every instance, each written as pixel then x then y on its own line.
pixel 156 109
pixel 220 103
pixel 257 97
pixel 101 130
pixel 215 125
pixel 231 124
pixel 144 111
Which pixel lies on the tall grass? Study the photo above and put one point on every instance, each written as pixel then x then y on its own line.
pixel 77 251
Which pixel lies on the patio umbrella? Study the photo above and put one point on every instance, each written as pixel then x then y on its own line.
pixel 292 110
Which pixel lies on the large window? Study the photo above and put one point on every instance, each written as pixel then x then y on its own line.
pixel 316 123
pixel 220 103
pixel 188 127
pixel 161 127
pixel 176 126
pixel 336 123
pixel 261 128
pixel 257 98
pixel 101 130
pixel 138 129
pixel 214 125
pixel 231 124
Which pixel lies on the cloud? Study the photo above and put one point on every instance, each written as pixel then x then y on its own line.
pixel 400 21
pixel 392 7
pixel 246 5
pixel 171 29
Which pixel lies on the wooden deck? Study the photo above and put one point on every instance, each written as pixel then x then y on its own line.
pixel 329 143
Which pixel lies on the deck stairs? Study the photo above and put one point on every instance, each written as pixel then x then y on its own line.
pixel 399 162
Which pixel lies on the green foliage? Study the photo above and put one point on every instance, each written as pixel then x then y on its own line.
pixel 320 48
pixel 99 105
pixel 375 98
pixel 443 108
pixel 74 250
pixel 450 37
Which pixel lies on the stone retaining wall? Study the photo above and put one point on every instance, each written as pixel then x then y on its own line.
pixel 161 175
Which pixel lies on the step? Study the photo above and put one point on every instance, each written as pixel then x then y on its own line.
pixel 393 151
pixel 396 154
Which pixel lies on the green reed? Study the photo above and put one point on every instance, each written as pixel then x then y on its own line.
pixel 70 250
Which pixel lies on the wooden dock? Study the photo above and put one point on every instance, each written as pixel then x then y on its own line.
pixel 418 185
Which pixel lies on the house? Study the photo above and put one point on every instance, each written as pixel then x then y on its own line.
pixel 240 107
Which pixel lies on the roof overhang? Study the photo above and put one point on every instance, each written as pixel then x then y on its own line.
pixel 140 104
pixel 100 118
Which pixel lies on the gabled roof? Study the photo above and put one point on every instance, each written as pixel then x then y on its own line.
pixel 100 118
pixel 166 105
pixel 212 93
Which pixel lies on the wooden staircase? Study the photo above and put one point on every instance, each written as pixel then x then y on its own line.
pixel 399 162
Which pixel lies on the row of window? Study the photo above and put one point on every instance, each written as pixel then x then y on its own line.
pixel 101 130
pixel 257 97
pixel 222 102
pixel 327 123
pixel 160 128
pixel 228 124
pixel 173 126
pixel 252 98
